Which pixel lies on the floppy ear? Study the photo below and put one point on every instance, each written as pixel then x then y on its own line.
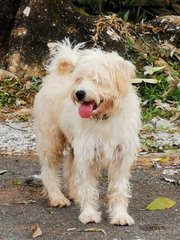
pixel 128 68
pixel 64 66
pixel 63 57
pixel 123 72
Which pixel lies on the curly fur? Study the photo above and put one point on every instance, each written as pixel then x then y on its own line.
pixel 107 139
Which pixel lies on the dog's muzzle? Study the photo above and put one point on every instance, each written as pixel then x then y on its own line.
pixel 88 107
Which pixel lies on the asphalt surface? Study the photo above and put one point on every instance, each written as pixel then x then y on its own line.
pixel 22 206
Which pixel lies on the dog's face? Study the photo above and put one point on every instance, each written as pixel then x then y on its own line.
pixel 100 81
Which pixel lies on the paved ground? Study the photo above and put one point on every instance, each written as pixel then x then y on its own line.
pixel 22 206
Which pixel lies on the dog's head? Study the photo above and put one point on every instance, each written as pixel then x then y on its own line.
pixel 100 80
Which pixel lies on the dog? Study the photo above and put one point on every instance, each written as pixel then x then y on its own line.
pixel 88 107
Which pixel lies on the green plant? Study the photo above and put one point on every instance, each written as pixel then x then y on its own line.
pixel 126 8
pixel 93 5
pixel 163 91
pixel 13 91
pixel 8 91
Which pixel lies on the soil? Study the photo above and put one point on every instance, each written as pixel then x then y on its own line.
pixel 22 206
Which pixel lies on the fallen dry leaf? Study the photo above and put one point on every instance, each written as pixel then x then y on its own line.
pixel 172 18
pixel 170 172
pixel 36 231
pixel 6 74
pixel 17 182
pixel 160 203
pixel 169 180
pixel 164 159
pixel 95 230
pixel 162 63
pixel 175 117
pixel 147 80
pixel 150 70
pixel 27 202
pixel 172 49
pixel 71 229
pixel 24 111
pixel 28 85
pixel 2 172
pixel 159 104
pixel 114 36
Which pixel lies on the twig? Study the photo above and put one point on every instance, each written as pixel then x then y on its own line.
pixel 14 127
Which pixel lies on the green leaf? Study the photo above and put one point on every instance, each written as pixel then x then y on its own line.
pixel 160 203
pixel 126 16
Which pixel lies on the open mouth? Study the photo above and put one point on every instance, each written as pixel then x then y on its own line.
pixel 86 109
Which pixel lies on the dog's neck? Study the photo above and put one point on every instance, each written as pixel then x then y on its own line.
pixel 101 118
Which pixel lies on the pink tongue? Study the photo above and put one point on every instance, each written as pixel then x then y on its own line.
pixel 85 110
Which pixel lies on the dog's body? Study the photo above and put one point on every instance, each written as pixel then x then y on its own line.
pixel 103 134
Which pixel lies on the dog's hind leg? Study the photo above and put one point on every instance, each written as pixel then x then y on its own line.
pixel 119 189
pixel 50 145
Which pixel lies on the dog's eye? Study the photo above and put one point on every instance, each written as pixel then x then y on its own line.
pixel 96 81
pixel 79 79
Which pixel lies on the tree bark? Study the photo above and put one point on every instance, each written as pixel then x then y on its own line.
pixel 36 23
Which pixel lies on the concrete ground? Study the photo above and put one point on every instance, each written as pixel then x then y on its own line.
pixel 22 206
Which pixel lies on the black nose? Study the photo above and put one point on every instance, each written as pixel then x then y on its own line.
pixel 80 94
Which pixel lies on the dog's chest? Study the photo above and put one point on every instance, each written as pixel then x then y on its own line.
pixel 89 139
pixel 91 146
pixel 104 153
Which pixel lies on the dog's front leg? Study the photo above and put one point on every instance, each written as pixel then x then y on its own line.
pixel 87 191
pixel 50 148
pixel 119 189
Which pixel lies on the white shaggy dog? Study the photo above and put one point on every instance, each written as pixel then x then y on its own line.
pixel 87 103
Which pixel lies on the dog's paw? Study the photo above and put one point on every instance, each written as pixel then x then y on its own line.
pixel 90 217
pixel 122 220
pixel 72 196
pixel 60 202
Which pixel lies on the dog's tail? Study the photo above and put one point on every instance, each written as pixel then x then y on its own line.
pixel 64 56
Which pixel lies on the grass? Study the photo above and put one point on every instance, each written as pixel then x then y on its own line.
pixel 164 91
pixel 21 92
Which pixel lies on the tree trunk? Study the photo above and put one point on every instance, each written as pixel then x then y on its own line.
pixel 37 22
